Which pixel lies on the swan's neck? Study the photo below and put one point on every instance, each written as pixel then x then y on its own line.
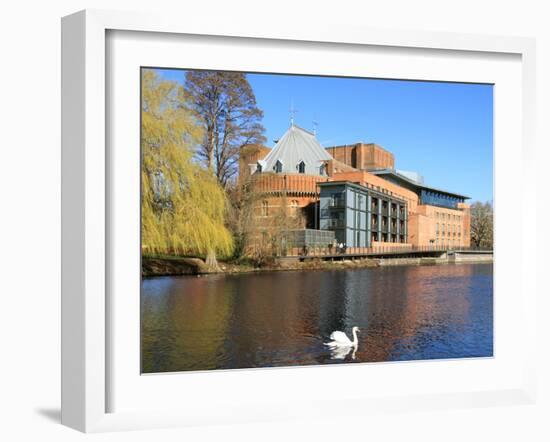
pixel 355 338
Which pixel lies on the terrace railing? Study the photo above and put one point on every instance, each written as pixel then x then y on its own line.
pixel 395 248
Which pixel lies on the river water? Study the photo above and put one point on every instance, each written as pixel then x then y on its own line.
pixel 283 318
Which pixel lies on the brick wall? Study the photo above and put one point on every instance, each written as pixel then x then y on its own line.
pixel 290 183
pixel 249 155
pixel 363 156
pixel 425 224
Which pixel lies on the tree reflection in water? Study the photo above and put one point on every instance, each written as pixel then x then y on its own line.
pixel 283 318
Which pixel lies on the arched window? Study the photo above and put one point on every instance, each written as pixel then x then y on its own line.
pixel 259 168
pixel 301 167
pixel 278 166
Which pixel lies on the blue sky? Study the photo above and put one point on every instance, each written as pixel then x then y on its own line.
pixel 444 131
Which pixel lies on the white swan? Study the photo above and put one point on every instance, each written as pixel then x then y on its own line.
pixel 340 339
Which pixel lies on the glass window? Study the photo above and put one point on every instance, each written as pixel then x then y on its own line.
pixel 302 167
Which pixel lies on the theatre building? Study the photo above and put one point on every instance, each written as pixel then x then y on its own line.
pixel 353 191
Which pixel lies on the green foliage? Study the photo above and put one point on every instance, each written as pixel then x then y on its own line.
pixel 183 206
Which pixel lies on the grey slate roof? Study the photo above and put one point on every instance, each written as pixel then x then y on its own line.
pixel 295 146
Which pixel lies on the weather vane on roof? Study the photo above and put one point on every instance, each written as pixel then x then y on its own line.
pixel 292 111
pixel 315 124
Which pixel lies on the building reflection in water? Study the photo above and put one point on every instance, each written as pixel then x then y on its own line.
pixel 283 318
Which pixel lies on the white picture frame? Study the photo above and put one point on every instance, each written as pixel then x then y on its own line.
pixel 86 315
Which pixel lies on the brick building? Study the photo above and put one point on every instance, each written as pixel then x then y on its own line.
pixel 353 190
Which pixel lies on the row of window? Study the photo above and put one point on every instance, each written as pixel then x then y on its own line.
pixel 300 167
pixel 387 237
pixel 451 228
pixel 384 191
pixel 447 216
pixel 337 200
pixel 359 238
pixel 439 199
pixel 375 223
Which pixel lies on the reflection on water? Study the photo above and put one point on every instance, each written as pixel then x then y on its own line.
pixel 343 352
pixel 283 318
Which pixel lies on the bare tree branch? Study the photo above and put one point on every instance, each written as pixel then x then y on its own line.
pixel 226 105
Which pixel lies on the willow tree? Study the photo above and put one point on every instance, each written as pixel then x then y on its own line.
pixel 183 205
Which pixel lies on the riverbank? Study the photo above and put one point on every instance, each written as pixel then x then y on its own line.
pixel 454 259
pixel 195 266
pixel 173 266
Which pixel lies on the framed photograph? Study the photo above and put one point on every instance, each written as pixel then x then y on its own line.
pixel 270 223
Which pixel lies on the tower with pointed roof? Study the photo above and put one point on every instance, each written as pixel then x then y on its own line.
pixel 296 152
pixel 285 179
